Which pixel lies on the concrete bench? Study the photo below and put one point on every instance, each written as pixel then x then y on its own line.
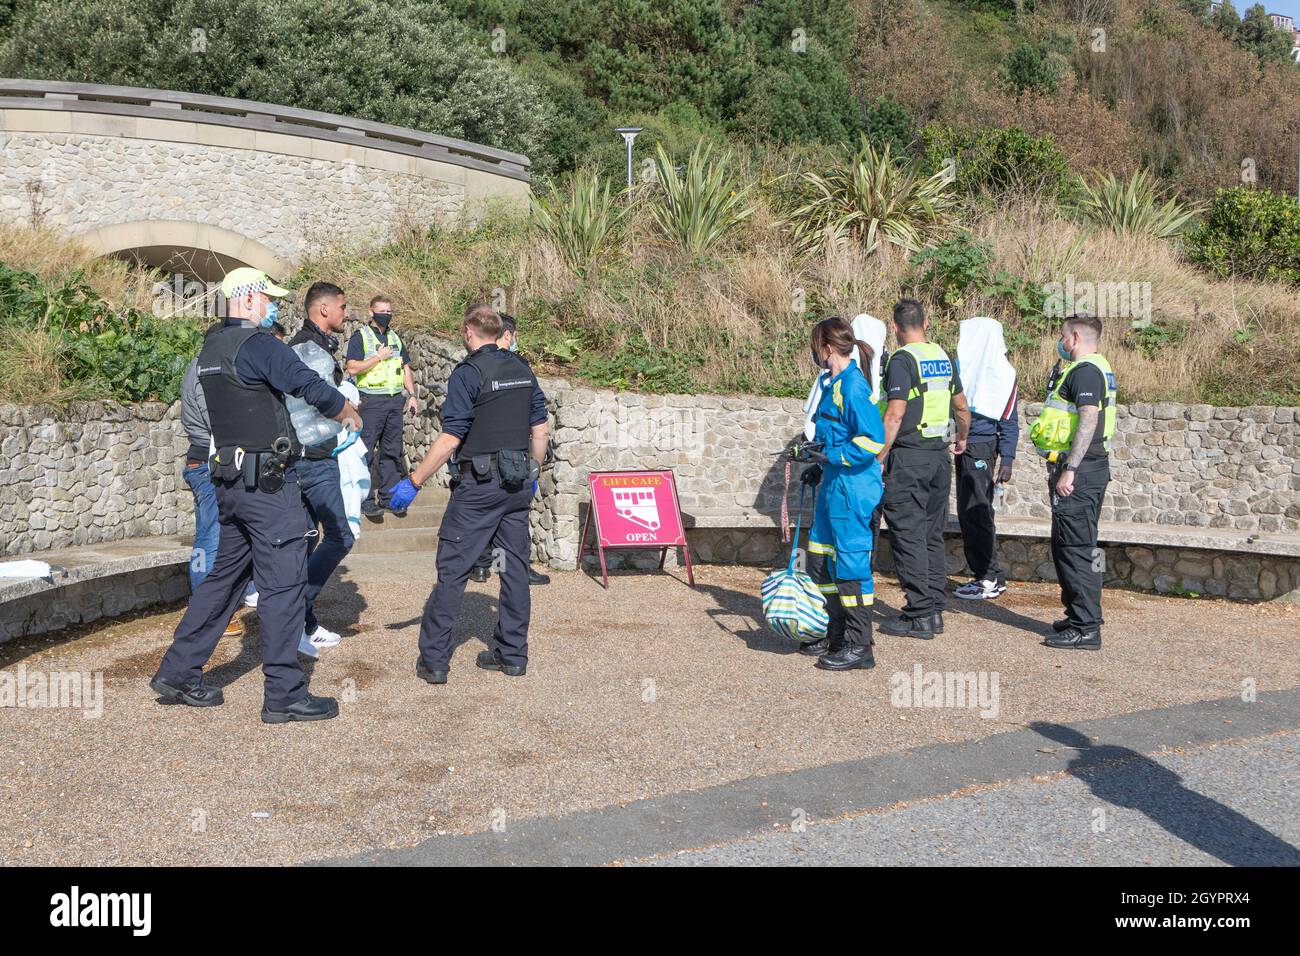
pixel 94 581
pixel 1168 559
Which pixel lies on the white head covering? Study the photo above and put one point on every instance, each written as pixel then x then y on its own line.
pixel 987 378
pixel 869 329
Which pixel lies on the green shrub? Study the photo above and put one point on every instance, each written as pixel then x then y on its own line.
pixel 961 267
pixel 697 209
pixel 128 355
pixel 403 62
pixel 798 89
pixel 1030 67
pixel 1251 234
pixel 870 198
pixel 889 124
pixel 999 161
pixel 1134 207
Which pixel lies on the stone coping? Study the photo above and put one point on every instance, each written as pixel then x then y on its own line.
pixel 1111 532
pixel 169 105
pixel 90 562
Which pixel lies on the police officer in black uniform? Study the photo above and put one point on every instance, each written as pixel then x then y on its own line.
pixel 494 433
pixel 246 372
pixel 923 395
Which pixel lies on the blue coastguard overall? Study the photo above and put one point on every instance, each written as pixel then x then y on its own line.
pixel 840 543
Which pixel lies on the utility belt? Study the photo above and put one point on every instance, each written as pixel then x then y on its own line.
pixel 261 470
pixel 513 467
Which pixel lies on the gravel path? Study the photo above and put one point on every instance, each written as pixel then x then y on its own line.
pixel 1234 803
pixel 645 690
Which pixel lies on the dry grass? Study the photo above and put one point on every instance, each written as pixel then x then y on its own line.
pixel 738 321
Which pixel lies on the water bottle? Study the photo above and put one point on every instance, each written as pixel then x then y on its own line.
pixel 999 496
pixel 312 427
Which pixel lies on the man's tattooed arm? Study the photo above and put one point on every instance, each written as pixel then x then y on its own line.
pixel 1088 415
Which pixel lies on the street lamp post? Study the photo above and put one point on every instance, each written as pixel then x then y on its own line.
pixel 629 135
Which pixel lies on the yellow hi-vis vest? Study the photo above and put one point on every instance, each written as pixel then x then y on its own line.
pixel 383 378
pixel 1053 433
pixel 936 385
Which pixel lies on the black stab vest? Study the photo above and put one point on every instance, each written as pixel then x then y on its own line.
pixel 251 417
pixel 503 407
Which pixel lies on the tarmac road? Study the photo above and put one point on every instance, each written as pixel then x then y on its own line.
pixel 1233 803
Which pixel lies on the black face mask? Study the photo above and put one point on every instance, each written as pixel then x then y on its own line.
pixel 382 319
pixel 817 362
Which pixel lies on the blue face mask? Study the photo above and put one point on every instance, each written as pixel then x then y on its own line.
pixel 1061 351
pixel 272 312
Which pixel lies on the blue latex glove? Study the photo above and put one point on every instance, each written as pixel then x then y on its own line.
pixel 401 495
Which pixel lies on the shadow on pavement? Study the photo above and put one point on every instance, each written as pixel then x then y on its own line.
pixel 1126 778
pixel 991 611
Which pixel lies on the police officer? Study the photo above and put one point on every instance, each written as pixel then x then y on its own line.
pixel 849 435
pixel 380 365
pixel 246 372
pixel 1073 434
pixel 482 569
pixel 494 432
pixel 923 393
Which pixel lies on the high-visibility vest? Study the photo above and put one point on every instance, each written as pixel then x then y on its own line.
pixel 383 378
pixel 935 369
pixel 1053 433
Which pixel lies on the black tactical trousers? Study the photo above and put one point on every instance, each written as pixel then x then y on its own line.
pixel 975 477
pixel 1080 564
pixel 481 513
pixel 915 505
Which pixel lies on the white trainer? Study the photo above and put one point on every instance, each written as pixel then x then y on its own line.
pixel 980 590
pixel 324 637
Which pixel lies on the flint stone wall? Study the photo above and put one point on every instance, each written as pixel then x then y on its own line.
pixel 101 472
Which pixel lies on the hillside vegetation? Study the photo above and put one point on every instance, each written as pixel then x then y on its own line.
pixel 798 159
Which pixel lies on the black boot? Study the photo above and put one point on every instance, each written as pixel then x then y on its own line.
pixel 936 622
pixel 919 627
pixel 1076 639
pixel 855 652
pixel 835 625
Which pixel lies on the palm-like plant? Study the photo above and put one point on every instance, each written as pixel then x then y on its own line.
pixel 1135 207
pixel 582 220
pixel 697 208
pixel 872 199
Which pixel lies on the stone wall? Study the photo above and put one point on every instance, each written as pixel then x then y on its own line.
pixel 92 472
pixel 102 472
pixel 88 182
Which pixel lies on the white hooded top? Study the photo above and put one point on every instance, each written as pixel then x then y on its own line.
pixel 987 377
pixel 869 329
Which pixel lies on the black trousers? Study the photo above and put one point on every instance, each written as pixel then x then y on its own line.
pixel 381 430
pixel 975 478
pixel 915 504
pixel 1079 562
pixel 263 537
pixel 481 513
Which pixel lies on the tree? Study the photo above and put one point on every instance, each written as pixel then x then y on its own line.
pixel 1257 33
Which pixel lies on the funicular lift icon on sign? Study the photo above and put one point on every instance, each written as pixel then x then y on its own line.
pixel 638 505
